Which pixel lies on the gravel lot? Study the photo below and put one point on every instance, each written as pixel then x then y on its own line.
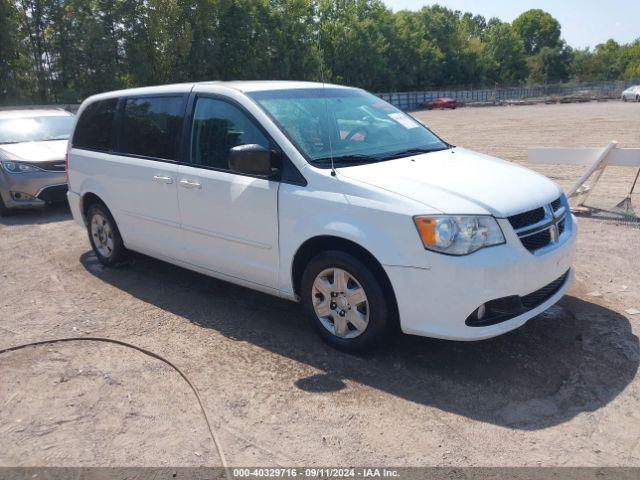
pixel 562 390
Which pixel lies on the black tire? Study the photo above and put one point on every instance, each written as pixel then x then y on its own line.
pixel 118 253
pixel 624 99
pixel 4 211
pixel 380 325
pixel 637 98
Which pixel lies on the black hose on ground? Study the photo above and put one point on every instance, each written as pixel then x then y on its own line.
pixel 151 354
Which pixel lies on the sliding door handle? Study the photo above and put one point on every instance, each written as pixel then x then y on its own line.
pixel 162 179
pixel 190 183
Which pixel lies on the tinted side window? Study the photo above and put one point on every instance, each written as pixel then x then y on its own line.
pixel 151 126
pixel 94 130
pixel 219 126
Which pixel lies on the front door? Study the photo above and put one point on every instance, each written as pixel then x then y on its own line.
pixel 229 221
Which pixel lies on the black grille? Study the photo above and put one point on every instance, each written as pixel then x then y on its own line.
pixel 545 293
pixel 523 221
pixel 505 308
pixel 527 218
pixel 537 240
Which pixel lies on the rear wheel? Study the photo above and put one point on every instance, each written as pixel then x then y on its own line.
pixel 104 236
pixel 346 302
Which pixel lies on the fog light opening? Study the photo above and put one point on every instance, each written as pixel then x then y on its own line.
pixel 22 197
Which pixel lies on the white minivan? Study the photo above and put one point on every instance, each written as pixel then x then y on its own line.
pixel 326 195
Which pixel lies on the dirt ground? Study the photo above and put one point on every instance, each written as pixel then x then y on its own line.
pixel 563 390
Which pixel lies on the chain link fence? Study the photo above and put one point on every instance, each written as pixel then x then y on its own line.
pixel 497 95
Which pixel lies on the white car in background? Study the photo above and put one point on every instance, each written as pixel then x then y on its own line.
pixel 326 195
pixel 631 94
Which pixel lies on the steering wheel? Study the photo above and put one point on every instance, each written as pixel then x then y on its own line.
pixel 352 133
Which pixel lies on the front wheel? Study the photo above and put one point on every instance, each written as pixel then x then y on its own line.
pixel 104 236
pixel 637 98
pixel 346 302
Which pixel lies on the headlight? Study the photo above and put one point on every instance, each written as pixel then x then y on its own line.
pixel 19 167
pixel 457 234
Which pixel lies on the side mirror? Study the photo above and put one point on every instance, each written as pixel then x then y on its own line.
pixel 251 159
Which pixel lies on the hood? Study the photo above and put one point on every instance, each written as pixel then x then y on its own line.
pixel 459 181
pixel 34 151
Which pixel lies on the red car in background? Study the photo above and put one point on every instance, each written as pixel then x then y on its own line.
pixel 440 103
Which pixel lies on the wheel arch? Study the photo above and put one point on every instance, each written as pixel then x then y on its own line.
pixel 88 199
pixel 322 243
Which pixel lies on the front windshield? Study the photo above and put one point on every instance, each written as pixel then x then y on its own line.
pixel 35 129
pixel 351 126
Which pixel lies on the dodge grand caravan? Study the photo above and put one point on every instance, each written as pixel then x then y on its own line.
pixel 325 195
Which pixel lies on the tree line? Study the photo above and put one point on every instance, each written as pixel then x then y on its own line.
pixel 65 50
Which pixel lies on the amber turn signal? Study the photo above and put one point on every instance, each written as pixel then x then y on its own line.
pixel 427 230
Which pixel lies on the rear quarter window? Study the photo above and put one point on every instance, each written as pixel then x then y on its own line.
pixel 94 130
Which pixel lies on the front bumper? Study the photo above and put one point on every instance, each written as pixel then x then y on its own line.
pixel 32 189
pixel 435 302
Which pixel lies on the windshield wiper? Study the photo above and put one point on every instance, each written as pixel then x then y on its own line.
pixel 345 160
pixel 359 159
pixel 412 151
pixel 8 143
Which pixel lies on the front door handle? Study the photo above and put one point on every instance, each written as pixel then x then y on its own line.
pixel 162 179
pixel 190 183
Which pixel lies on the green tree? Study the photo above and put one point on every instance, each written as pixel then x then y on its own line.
pixel 473 26
pixel 14 84
pixel 33 23
pixel 505 51
pixel 413 58
pixel 630 60
pixel 156 39
pixel 581 67
pixel 292 45
pixel 355 37
pixel 550 65
pixel 456 47
pixel 606 62
pixel 537 29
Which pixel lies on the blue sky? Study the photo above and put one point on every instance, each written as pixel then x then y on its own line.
pixel 585 23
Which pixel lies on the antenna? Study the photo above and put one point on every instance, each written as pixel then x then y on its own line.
pixel 326 104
